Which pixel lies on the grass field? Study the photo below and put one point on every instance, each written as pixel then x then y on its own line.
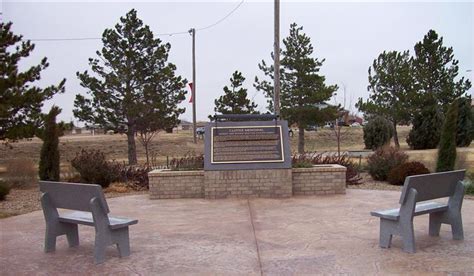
pixel 181 143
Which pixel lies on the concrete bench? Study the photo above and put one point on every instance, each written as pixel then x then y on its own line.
pixel 420 188
pixel 90 208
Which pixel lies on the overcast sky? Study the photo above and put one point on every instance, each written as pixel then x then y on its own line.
pixel 349 35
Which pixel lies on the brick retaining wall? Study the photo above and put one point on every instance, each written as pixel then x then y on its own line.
pixel 176 184
pixel 319 180
pixel 274 183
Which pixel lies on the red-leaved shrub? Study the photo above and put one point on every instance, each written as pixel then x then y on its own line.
pixel 398 174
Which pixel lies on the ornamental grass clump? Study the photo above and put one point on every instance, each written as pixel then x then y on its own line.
pixel 189 162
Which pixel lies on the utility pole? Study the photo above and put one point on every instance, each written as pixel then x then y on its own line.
pixel 193 92
pixel 276 59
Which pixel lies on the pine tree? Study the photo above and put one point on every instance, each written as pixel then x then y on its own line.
pixel 447 144
pixel 377 133
pixel 465 128
pixel 20 99
pixel 49 157
pixel 426 129
pixel 391 87
pixel 435 71
pixel 234 100
pixel 132 84
pixel 303 88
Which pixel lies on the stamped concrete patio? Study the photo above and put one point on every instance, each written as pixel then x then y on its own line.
pixel 299 235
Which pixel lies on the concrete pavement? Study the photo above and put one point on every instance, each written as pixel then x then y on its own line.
pixel 300 235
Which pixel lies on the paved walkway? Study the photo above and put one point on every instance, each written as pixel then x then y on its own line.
pixel 300 235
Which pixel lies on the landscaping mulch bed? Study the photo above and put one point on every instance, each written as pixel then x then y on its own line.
pixel 25 200
pixel 367 183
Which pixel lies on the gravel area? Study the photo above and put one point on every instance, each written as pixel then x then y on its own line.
pixel 22 201
pixel 369 184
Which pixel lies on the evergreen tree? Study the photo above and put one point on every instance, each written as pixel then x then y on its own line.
pixel 465 128
pixel 234 100
pixel 377 133
pixel 20 99
pixel 426 129
pixel 447 144
pixel 49 157
pixel 435 71
pixel 303 89
pixel 391 86
pixel 132 85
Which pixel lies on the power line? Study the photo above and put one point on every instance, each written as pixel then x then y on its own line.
pixel 222 19
pixel 160 34
pixel 65 39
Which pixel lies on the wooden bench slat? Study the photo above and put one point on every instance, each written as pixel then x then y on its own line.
pixel 85 218
pixel 420 209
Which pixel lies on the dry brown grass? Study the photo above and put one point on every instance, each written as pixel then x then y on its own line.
pixel 20 173
pixel 181 143
pixel 118 188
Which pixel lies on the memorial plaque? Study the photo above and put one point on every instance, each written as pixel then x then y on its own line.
pixel 246 144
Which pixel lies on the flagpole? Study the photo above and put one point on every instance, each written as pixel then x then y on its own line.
pixel 193 95
pixel 276 59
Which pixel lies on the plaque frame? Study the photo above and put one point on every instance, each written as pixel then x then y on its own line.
pixel 245 161
pixel 247 165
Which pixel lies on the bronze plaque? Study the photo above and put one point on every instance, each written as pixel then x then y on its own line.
pixel 246 144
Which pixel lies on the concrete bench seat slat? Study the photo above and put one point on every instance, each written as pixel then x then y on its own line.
pixel 89 208
pixel 420 209
pixel 421 188
pixel 86 218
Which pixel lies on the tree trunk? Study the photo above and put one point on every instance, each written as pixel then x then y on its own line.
pixel 338 136
pixel 300 140
pixel 146 153
pixel 395 136
pixel 132 148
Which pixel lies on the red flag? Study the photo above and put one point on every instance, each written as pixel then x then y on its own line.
pixel 191 87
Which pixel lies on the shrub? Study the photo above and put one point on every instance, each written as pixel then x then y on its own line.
pixel 4 190
pixel 21 173
pixel 383 160
pixel 426 129
pixel 308 159
pixel 465 127
pixel 377 133
pixel 469 183
pixel 447 143
pixel 94 168
pixel 49 157
pixel 398 174
pixel 187 163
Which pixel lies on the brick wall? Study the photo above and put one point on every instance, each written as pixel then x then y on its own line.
pixel 176 184
pixel 319 180
pixel 274 183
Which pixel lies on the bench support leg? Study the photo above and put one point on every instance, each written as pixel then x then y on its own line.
pixel 435 223
pixel 99 251
pixel 456 227
pixel 72 235
pixel 49 241
pixel 408 236
pixel 385 239
pixel 57 229
pixel 123 242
